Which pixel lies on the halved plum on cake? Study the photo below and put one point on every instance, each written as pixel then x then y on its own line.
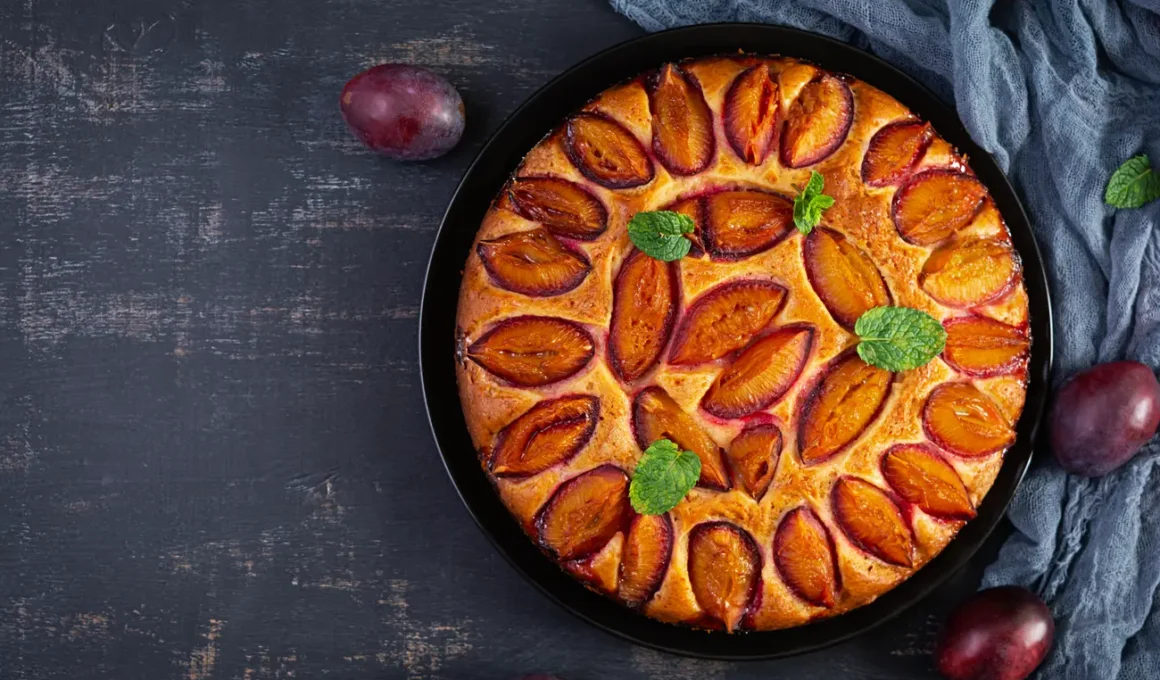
pixel 845 278
pixel 970 272
pixel 982 347
pixel 534 263
pixel 961 419
pixel 564 208
pixel 725 319
pixel 753 456
pixel 585 513
pixel 724 571
pixel 804 554
pixel 761 374
pixel 645 298
pixel 847 398
pixel 532 351
pixel 682 122
pixel 549 433
pixel 740 224
pixel 872 521
pixel 817 123
pixel 606 153
pixel 751 114
pixel 919 475
pixel 933 205
pixel 655 415
pixel 893 152
pixel 647 551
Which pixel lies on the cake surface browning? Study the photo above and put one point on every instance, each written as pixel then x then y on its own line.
pixel 825 481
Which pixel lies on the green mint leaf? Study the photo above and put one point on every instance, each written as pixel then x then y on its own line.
pixel 815 184
pixel 899 338
pixel 660 234
pixel 800 216
pixel 664 474
pixel 1134 184
pixel 809 204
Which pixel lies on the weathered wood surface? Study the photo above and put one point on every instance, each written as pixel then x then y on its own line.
pixel 214 461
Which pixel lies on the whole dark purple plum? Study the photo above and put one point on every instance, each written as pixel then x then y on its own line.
pixel 403 112
pixel 998 634
pixel 1103 416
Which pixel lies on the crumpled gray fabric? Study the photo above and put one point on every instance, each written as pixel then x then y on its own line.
pixel 1060 92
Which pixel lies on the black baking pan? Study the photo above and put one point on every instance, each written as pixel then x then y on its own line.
pixel 500 156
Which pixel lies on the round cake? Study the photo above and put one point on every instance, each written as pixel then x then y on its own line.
pixel 825 481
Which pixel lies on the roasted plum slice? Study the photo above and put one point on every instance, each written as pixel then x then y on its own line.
pixel 970 272
pixel 847 398
pixel 656 415
pixel 549 433
pixel 533 263
pixel 753 456
pixel 804 554
pixel 644 308
pixel 872 521
pixel 724 320
pixel 980 346
pixel 751 114
pixel 963 420
pixel 817 122
pixel 724 571
pixel 893 152
pixel 647 550
pixel 605 152
pixel 739 224
pixel 584 513
pixel 531 351
pixel 934 204
pixel 920 476
pixel 761 374
pixel 564 208
pixel 843 276
pixel 681 121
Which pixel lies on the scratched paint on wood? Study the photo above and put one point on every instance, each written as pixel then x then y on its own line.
pixel 202 660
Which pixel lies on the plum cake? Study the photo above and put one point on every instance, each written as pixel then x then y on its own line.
pixel 824 480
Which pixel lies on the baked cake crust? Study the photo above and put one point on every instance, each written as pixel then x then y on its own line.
pixel 828 515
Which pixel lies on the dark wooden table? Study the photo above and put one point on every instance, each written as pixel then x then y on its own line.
pixel 214 460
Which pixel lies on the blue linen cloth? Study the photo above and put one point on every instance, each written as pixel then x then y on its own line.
pixel 1060 92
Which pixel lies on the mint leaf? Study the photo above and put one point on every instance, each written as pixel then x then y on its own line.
pixel 1133 184
pixel 660 234
pixel 664 474
pixel 809 204
pixel 816 183
pixel 899 338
